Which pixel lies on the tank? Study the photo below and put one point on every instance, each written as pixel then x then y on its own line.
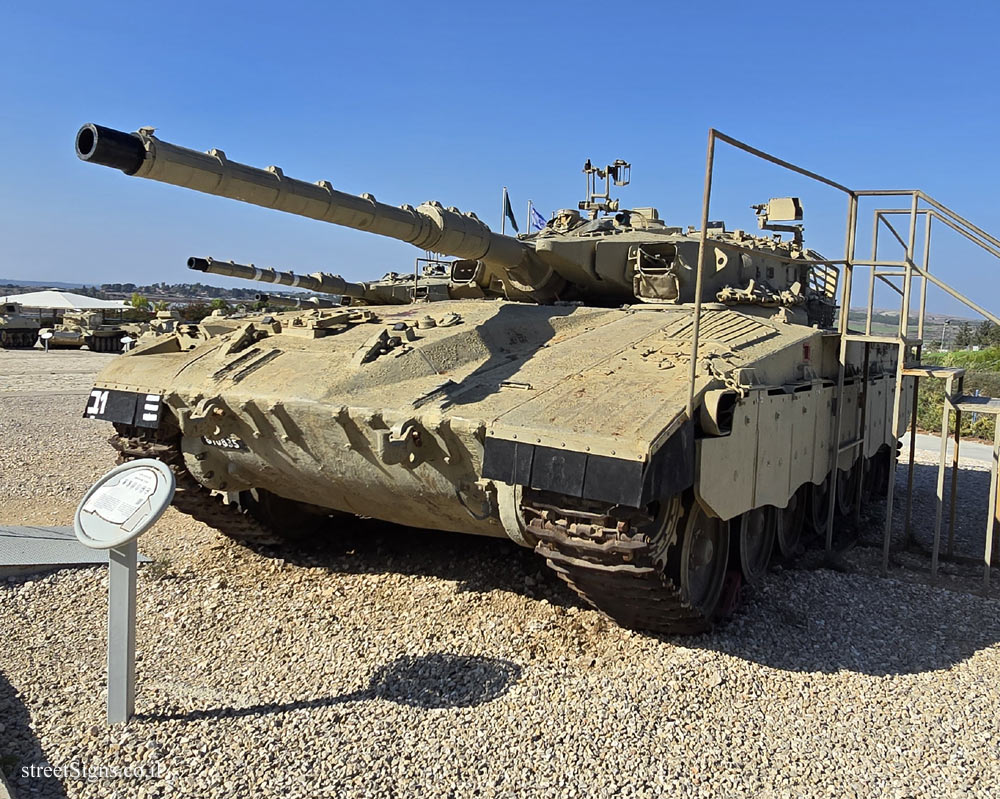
pixel 555 403
pixel 17 331
pixel 90 328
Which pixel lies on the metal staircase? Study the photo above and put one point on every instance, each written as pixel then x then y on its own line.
pixel 903 276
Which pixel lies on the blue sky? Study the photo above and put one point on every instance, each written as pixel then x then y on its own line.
pixel 450 101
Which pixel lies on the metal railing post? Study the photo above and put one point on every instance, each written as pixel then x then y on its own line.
pixel 928 219
pixel 845 306
pixel 871 276
pixel 939 486
pixel 702 240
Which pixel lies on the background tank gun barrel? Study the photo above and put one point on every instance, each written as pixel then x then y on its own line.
pixel 430 226
pixel 320 282
pixel 278 301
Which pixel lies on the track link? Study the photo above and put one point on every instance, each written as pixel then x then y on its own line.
pixel 192 498
pixel 614 569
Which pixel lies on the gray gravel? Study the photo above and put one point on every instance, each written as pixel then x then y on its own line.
pixel 388 662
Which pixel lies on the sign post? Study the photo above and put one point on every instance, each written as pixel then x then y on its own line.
pixel 117 509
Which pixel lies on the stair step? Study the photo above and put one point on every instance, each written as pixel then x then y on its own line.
pixel 882 339
pixel 968 402
pixel 919 370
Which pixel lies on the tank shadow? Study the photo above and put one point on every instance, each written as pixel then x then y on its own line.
pixel 477 564
pixel 871 626
pixel 971 511
pixel 512 336
pixel 21 749
pixel 439 680
pixel 802 618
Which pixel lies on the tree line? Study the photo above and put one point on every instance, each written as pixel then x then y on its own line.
pixel 985 334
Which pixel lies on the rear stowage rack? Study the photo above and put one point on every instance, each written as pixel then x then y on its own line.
pixel 834 279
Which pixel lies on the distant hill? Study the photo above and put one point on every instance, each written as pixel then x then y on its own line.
pixel 10 281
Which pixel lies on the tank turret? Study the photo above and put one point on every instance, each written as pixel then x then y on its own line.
pixel 622 257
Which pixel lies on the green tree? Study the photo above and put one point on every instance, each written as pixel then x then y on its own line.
pixel 162 305
pixel 963 338
pixel 194 311
pixel 139 302
pixel 219 304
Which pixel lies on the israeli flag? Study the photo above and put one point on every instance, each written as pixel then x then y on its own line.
pixel 537 221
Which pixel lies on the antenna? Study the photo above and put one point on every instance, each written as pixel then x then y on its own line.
pixel 620 172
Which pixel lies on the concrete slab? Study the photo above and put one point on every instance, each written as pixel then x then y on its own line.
pixel 5 790
pixel 25 550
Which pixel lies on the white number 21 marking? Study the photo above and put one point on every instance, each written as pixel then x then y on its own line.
pixel 99 401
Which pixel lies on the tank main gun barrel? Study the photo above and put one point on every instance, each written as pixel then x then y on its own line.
pixel 430 226
pixel 319 282
pixel 278 301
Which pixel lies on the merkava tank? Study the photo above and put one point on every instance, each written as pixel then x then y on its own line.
pixel 551 399
pixel 91 329
pixel 17 331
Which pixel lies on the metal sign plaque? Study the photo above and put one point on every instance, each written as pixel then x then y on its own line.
pixel 117 509
pixel 124 503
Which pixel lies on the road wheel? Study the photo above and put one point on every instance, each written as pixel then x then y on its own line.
pixel 819 505
pixel 875 483
pixel 699 564
pixel 757 529
pixel 291 520
pixel 791 520
pixel 847 488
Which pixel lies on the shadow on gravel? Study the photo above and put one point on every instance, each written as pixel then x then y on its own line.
pixel 804 619
pixel 477 563
pixel 19 748
pixel 440 680
pixel 815 621
pixel 808 619
pixel 971 510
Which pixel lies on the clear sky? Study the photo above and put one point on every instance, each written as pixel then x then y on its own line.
pixel 450 101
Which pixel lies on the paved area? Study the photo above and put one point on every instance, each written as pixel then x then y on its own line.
pixel 975 451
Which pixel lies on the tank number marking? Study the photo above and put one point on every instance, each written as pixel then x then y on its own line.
pixel 98 402
pixel 124 407
pixel 230 442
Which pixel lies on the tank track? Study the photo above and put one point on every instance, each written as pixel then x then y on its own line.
pixel 615 570
pixel 111 343
pixel 18 339
pixel 191 497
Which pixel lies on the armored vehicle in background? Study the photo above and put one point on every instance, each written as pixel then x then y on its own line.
pixel 17 331
pixel 89 327
pixel 556 402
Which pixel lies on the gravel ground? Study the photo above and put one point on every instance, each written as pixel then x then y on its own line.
pixel 393 662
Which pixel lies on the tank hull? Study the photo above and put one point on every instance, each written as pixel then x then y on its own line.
pixel 422 433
